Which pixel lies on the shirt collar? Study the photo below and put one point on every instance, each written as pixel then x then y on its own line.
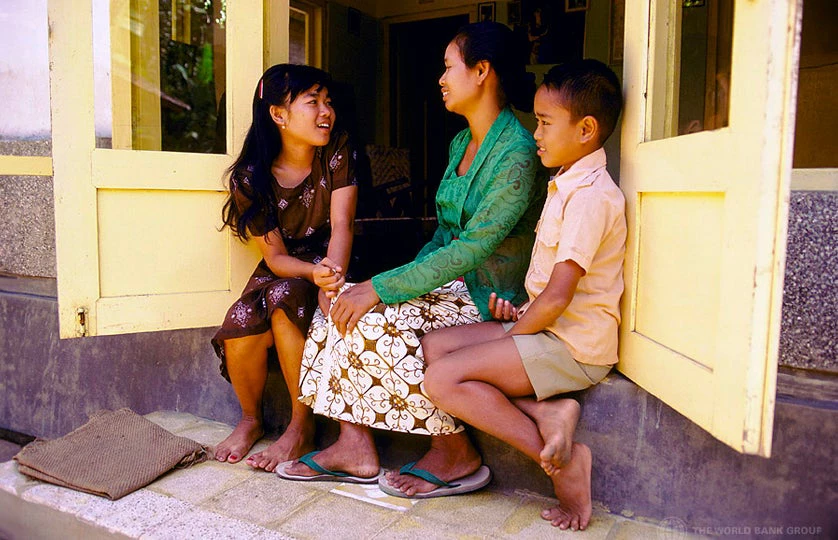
pixel 580 173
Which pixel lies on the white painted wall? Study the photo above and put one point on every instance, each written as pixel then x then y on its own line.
pixel 24 70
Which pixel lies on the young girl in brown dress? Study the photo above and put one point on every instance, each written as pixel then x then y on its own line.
pixel 293 190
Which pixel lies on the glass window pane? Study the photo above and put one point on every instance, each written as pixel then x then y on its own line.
pixel 298 37
pixel 24 79
pixel 696 98
pixel 160 72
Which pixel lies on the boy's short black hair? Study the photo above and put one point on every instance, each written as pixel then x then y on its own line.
pixel 588 88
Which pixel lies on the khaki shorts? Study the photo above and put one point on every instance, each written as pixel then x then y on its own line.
pixel 550 366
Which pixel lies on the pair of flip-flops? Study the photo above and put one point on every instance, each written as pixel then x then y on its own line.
pixel 324 474
pixel 466 484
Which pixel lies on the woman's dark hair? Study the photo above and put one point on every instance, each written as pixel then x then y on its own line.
pixel 279 85
pixel 497 44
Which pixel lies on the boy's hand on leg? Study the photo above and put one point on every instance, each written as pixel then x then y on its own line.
pixel 502 310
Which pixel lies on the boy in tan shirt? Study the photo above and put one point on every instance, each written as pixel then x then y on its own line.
pixel 497 376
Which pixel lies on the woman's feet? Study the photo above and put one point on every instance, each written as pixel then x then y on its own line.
pixel 240 441
pixel 572 485
pixel 449 458
pixel 354 453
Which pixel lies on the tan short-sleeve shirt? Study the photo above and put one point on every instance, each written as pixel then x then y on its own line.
pixel 583 220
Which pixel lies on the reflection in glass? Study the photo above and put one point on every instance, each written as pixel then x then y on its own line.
pixel 689 79
pixel 160 74
pixel 704 85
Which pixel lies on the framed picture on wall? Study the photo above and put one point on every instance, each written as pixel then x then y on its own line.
pixel 486 11
pixel 513 13
pixel 554 33
pixel 576 5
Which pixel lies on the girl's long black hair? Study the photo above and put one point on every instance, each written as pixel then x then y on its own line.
pixel 279 85
pixel 498 44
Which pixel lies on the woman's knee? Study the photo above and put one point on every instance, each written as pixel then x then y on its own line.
pixel 438 383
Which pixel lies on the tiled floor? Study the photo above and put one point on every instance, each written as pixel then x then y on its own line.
pixel 215 500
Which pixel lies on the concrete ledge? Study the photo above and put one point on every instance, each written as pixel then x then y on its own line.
pixel 219 500
pixel 648 459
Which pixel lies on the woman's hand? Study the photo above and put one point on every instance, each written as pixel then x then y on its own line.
pixel 502 310
pixel 329 277
pixel 352 304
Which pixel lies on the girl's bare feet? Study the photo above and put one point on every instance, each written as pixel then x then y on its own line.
pixel 238 443
pixel 572 485
pixel 354 452
pixel 449 458
pixel 294 443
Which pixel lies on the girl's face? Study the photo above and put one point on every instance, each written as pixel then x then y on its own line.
pixel 308 119
pixel 458 81
pixel 557 135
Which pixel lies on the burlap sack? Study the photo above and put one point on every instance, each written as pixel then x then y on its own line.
pixel 113 454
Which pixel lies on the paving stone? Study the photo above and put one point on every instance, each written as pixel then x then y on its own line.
pixel 484 511
pixel 134 514
pixel 422 528
pixel 59 498
pixel 200 523
pixel 334 516
pixel 174 421
pixel 207 432
pixel 200 482
pixel 263 498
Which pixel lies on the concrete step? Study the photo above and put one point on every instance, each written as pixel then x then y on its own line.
pixel 218 500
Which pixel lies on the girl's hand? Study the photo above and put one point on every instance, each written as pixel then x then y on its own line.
pixel 324 302
pixel 328 276
pixel 502 310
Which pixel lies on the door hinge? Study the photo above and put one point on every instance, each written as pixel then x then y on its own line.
pixel 81 322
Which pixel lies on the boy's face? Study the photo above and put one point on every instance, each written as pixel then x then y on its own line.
pixel 559 138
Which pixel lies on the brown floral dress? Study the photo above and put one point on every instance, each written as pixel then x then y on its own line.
pixel 302 216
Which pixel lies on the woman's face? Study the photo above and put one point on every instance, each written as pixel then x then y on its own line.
pixel 308 119
pixel 458 81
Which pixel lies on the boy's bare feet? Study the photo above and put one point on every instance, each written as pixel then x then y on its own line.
pixel 236 445
pixel 449 458
pixel 354 452
pixel 572 486
pixel 556 420
pixel 294 443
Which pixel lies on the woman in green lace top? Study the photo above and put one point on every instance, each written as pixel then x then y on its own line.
pixel 363 366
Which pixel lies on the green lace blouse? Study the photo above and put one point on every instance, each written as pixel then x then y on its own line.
pixel 486 219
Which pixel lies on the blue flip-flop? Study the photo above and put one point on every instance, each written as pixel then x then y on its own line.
pixel 325 474
pixel 466 484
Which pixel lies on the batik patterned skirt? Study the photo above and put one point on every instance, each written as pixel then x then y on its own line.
pixel 374 376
